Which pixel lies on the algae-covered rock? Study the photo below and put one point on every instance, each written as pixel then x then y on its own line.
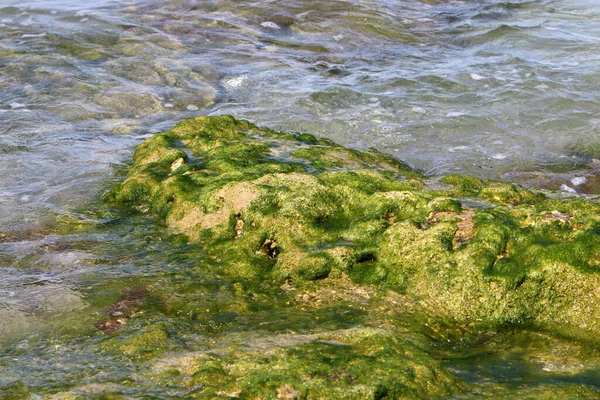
pixel 358 363
pixel 281 207
pixel 14 391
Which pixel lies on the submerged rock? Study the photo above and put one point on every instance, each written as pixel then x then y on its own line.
pixel 377 365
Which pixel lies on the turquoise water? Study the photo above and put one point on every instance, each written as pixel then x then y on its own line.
pixel 496 89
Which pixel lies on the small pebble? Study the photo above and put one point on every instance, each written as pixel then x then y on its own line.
pixel 578 180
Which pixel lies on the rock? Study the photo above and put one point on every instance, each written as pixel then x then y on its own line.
pixel 239 226
pixel 307 366
pixel 177 163
pixel 128 104
pixel 281 207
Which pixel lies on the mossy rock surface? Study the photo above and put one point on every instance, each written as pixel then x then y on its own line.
pixel 293 209
pixel 361 363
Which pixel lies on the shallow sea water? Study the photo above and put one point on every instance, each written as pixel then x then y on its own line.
pixel 495 89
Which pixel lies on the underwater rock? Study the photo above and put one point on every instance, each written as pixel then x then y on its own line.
pixel 128 304
pixel 125 104
pixel 375 365
pixel 283 207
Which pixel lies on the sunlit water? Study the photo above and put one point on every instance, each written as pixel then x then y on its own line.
pixel 496 89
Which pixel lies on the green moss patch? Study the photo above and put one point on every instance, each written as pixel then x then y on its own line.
pixel 290 208
pixel 361 363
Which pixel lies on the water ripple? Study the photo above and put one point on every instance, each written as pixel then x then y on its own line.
pixel 517 79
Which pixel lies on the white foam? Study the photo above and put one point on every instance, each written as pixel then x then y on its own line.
pixel 236 82
pixel 27 22
pixel 453 114
pixel 477 77
pixel 567 189
pixel 459 148
pixel 14 105
pixel 419 110
pixel 270 25
pixel 499 156
pixel 169 105
pixel 32 35
pixel 578 180
pixel 192 107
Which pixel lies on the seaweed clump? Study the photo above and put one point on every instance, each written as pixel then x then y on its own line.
pixel 305 214
pixel 291 208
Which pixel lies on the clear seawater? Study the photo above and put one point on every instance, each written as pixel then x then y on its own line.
pixel 497 89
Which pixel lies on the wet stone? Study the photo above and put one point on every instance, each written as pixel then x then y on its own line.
pixel 268 248
pixel 127 104
pixel 128 304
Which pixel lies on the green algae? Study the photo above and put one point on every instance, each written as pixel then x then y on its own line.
pixel 77 49
pixel 14 391
pixel 286 216
pixel 364 275
pixel 139 344
pixel 495 192
pixel 188 332
pixel 351 364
